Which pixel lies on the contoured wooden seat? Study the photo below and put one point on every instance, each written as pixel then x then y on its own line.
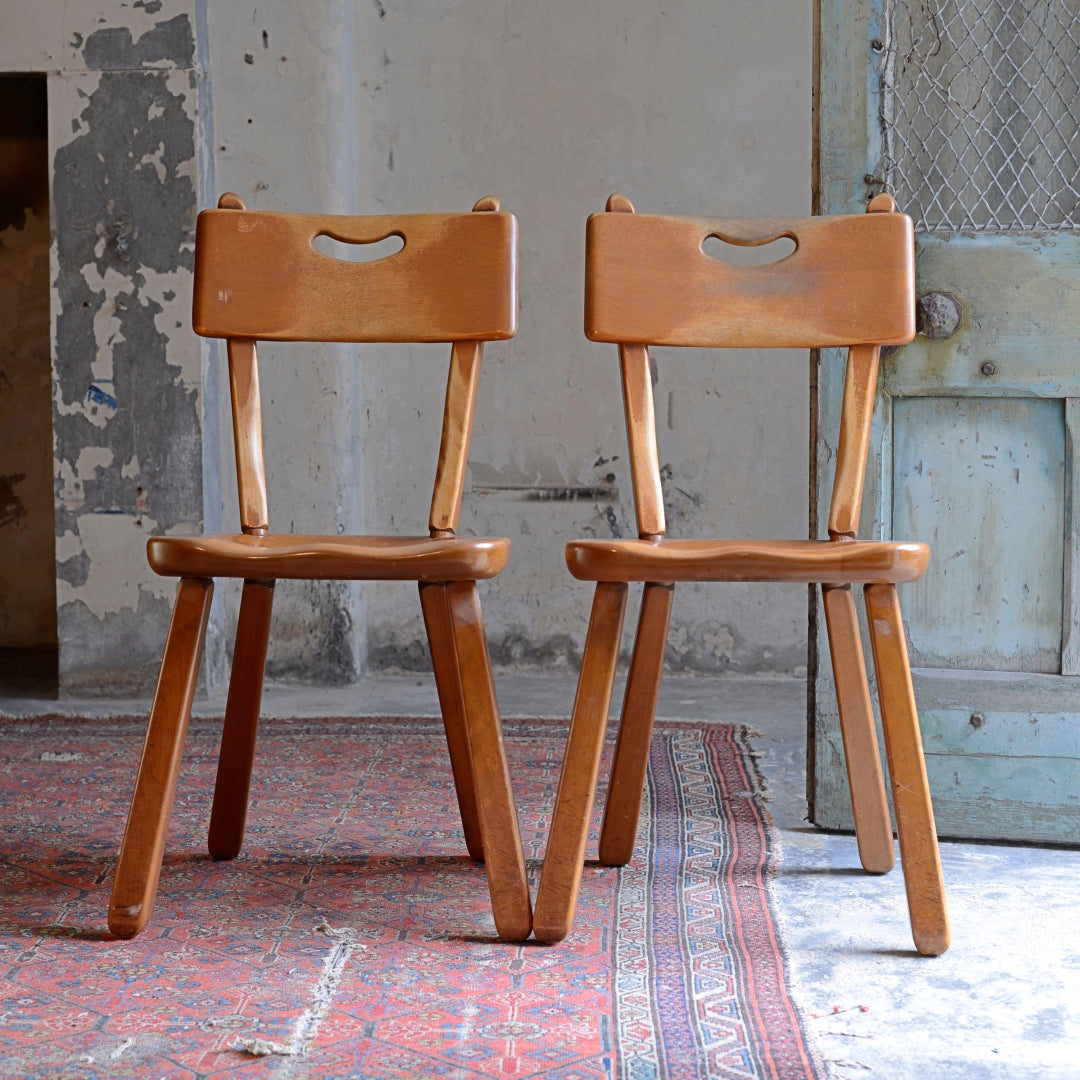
pixel 849 282
pixel 258 276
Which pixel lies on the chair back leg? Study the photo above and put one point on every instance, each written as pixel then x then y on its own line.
pixel 623 807
pixel 435 603
pixel 232 789
pixel 873 826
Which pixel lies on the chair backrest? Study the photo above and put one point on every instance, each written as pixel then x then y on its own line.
pixel 850 281
pixel 259 277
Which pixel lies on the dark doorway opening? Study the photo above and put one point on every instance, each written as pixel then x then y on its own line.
pixel 28 638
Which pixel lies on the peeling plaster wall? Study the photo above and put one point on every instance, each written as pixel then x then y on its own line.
pixel 686 107
pixel 127 409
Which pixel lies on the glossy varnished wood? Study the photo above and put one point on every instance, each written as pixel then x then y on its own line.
pixel 258 276
pixel 915 828
pixel 495 806
pixel 873 826
pixel 560 878
pixel 367 558
pixel 856 561
pixel 848 282
pixel 623 807
pixel 435 603
pixel 247 436
pixel 139 868
pixel 231 791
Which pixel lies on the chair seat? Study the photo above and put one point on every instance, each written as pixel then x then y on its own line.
pixel 831 562
pixel 336 558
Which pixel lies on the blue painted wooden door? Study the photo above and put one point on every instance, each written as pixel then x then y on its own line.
pixel 966 112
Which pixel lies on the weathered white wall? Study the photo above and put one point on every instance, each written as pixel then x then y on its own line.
pixel 695 107
pixel 686 107
pixel 284 139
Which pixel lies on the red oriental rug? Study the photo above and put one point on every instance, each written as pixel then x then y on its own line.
pixel 353 936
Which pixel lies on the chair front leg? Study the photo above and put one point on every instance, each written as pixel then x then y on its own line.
pixel 435 603
pixel 495 807
pixel 565 856
pixel 869 804
pixel 623 807
pixel 233 786
pixel 139 868
pixel 919 854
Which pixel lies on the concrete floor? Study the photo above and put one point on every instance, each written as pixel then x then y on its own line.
pixel 1003 1002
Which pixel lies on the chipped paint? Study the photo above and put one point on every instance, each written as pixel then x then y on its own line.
pixel 127 373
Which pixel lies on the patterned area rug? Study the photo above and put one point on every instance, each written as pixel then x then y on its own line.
pixel 353 936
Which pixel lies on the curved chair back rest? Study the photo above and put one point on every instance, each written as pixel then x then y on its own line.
pixel 258 276
pixel 850 281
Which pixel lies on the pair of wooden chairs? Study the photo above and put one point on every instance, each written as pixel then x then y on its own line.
pixel 849 282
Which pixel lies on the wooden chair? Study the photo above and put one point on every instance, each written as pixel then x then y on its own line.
pixel 849 282
pixel 258 276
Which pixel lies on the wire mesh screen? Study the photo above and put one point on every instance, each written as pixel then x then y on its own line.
pixel 980 113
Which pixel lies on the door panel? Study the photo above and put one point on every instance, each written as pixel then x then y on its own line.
pixel 964 110
pixel 983 482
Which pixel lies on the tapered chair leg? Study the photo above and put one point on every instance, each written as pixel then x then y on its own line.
pixel 495 807
pixel 232 790
pixel 915 828
pixel 623 807
pixel 873 826
pixel 435 603
pixel 565 856
pixel 139 868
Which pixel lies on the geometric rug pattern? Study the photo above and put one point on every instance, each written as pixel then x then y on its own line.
pixel 353 935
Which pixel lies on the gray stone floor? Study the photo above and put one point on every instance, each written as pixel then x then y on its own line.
pixel 1003 1002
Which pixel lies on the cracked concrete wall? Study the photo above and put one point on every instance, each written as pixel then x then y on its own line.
pixel 123 87
pixel 687 108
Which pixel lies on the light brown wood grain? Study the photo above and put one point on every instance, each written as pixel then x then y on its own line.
pixel 495 806
pixel 334 558
pixel 919 856
pixel 860 390
pixel 560 878
pixel 857 561
pixel 247 436
pixel 137 873
pixel 462 383
pixel 231 790
pixel 258 276
pixel 873 826
pixel 623 807
pixel 649 281
pixel 641 434
pixel 435 603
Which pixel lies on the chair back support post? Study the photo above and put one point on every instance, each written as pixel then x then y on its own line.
pixel 247 436
pixel 462 382
pixel 856 414
pixel 641 437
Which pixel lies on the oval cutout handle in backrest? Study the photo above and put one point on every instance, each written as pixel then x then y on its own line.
pixel 358 251
pixel 749 252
